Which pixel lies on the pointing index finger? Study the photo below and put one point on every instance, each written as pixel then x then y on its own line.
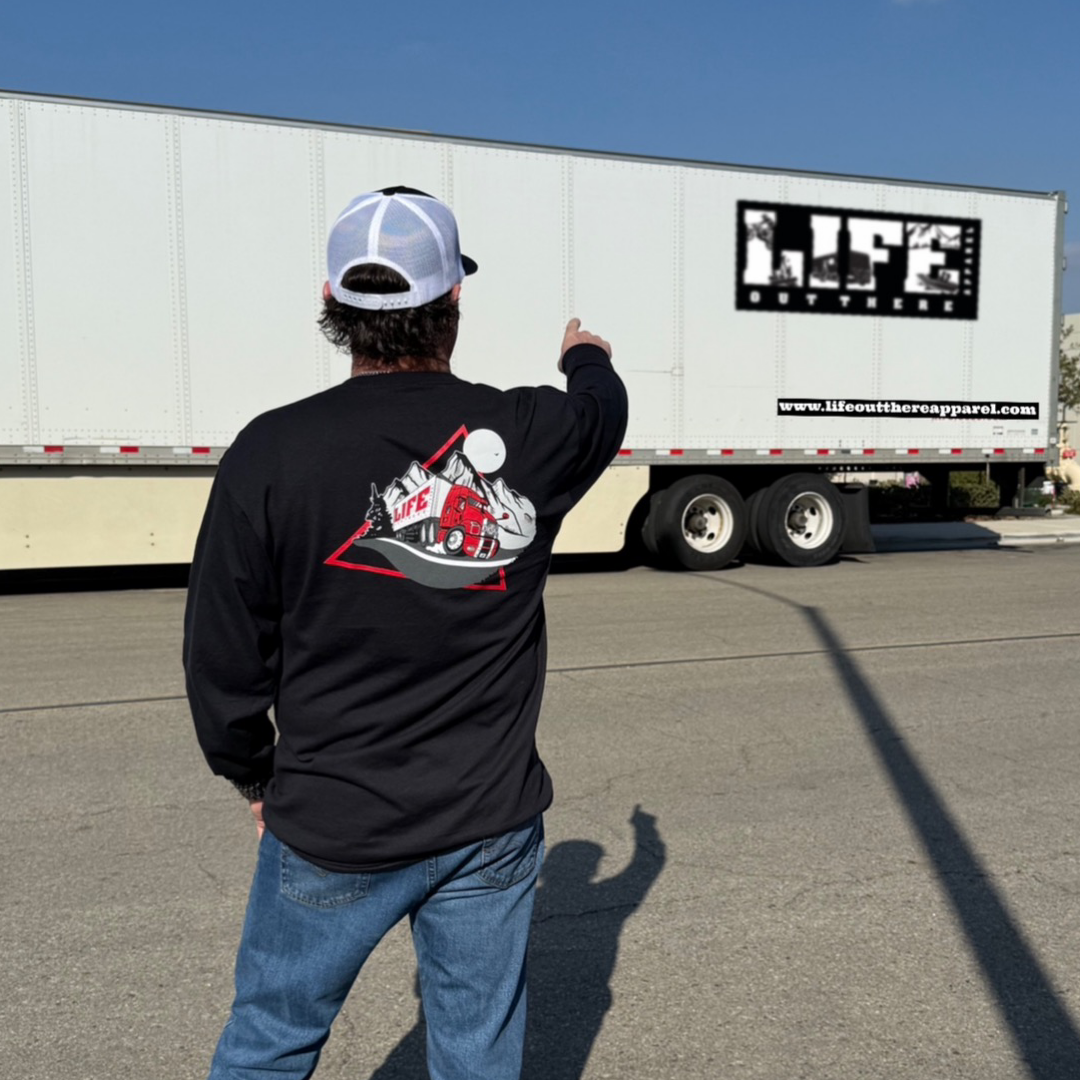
pixel 573 326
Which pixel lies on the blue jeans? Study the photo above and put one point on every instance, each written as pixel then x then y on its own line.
pixel 308 932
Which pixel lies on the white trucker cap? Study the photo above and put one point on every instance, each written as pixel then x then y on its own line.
pixel 409 232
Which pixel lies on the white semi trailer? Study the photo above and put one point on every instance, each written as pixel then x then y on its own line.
pixel 160 278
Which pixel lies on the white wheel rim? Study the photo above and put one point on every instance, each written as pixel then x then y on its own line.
pixel 707 523
pixel 809 520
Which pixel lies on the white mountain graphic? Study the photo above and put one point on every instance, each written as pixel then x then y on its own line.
pixel 459 470
pixel 415 477
pixel 514 515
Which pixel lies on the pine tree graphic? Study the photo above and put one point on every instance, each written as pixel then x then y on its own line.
pixel 378 516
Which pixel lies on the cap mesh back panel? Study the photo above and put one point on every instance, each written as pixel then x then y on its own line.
pixel 418 236
pixel 349 238
pixel 407 241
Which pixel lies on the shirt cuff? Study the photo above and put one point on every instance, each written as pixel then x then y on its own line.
pixel 579 355
pixel 253 792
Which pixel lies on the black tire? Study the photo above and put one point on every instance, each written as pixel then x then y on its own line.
pixel 649 538
pixel 455 541
pixel 634 552
pixel 800 520
pixel 753 518
pixel 699 523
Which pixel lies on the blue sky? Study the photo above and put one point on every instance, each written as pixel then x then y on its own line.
pixel 966 91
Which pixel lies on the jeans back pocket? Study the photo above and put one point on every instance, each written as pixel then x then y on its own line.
pixel 512 856
pixel 312 885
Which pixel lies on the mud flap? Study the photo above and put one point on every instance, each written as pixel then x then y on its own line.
pixel 858 539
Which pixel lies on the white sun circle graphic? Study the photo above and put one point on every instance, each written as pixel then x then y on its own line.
pixel 485 449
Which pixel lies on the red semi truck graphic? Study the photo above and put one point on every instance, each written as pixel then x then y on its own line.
pixel 441 512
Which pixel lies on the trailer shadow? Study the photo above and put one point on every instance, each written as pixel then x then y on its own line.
pixel 1044 1034
pixel 76 579
pixel 932 536
pixel 577 923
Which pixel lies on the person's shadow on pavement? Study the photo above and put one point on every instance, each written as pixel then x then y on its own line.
pixel 575 942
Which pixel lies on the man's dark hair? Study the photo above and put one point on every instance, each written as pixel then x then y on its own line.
pixel 385 338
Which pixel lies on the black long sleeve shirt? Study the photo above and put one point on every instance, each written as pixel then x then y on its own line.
pixel 371 567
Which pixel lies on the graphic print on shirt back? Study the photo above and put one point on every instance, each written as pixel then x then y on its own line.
pixel 443 523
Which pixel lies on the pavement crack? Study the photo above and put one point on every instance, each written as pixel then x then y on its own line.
pixel 19 709
pixel 898 646
pixel 214 879
pixel 608 784
pixel 601 910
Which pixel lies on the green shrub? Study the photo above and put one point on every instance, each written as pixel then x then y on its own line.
pixel 1070 500
pixel 897 502
pixel 967 491
pixel 973 491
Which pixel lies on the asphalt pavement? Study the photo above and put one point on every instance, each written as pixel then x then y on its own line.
pixel 808 824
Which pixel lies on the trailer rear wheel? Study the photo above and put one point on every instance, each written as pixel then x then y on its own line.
pixel 699 523
pixel 753 518
pixel 800 520
pixel 648 528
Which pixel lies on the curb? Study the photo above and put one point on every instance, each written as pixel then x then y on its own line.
pixel 1025 541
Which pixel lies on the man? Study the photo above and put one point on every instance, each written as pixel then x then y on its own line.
pixel 371 564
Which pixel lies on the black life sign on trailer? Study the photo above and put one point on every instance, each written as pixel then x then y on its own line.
pixel 825 261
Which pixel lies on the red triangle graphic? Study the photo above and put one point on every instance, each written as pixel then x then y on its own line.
pixel 337 560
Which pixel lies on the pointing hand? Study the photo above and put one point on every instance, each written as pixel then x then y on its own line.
pixel 574 335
